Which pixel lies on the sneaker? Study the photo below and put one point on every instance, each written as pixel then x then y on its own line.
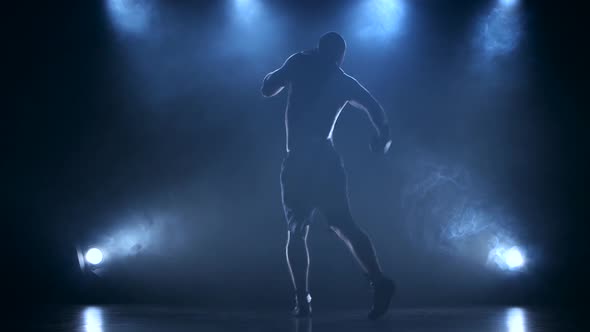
pixel 302 308
pixel 382 293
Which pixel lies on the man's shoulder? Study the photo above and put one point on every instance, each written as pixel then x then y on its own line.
pixel 349 79
pixel 307 54
pixel 295 59
pixel 346 75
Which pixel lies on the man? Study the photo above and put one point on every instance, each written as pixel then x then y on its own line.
pixel 312 176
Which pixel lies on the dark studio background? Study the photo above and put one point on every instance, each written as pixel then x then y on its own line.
pixel 164 133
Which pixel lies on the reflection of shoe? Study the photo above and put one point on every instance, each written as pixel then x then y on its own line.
pixel 382 293
pixel 302 306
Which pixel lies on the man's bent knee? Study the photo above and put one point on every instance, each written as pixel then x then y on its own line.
pixel 342 223
pixel 349 231
pixel 298 233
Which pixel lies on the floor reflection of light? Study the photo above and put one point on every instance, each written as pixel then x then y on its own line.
pixel 303 325
pixel 516 320
pixel 92 319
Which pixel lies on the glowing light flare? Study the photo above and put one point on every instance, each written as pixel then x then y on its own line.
pixel 94 256
pixel 507 259
pixel 514 258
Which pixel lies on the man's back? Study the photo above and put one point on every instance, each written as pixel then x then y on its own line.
pixel 318 90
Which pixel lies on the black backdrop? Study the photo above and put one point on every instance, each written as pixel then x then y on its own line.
pixel 100 133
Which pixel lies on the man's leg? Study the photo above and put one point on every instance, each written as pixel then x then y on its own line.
pixel 333 203
pixel 362 249
pixel 298 211
pixel 298 262
pixel 358 242
pixel 298 259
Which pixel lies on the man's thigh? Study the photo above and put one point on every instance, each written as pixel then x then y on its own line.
pixel 333 200
pixel 297 201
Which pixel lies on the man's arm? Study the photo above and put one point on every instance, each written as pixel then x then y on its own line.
pixel 276 80
pixel 361 98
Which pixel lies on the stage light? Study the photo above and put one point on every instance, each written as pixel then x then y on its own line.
pixel 514 258
pixel 508 2
pixel 501 30
pixel 247 11
pixel 94 256
pixel 380 18
pixel 130 15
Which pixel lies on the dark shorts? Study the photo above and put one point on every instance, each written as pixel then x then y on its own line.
pixel 314 180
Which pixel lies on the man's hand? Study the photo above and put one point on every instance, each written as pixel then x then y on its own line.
pixel 361 98
pixel 381 142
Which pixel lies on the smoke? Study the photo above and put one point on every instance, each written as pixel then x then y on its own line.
pixel 131 16
pixel 380 19
pixel 139 233
pixel 499 32
pixel 447 207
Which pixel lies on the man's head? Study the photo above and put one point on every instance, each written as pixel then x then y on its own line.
pixel 332 47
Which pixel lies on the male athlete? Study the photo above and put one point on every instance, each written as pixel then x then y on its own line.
pixel 312 176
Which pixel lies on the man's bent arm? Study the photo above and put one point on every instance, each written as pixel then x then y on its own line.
pixel 361 98
pixel 276 80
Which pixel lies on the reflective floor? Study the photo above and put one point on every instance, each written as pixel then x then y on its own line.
pixel 140 318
